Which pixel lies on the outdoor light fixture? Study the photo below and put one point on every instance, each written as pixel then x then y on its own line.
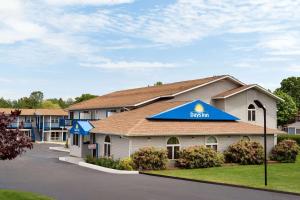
pixel 260 105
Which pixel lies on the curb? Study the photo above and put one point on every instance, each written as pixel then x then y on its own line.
pixel 107 170
pixel 59 149
pixel 222 184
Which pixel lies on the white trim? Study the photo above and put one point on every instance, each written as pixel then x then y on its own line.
pixel 250 87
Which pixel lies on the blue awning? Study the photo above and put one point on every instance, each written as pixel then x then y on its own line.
pixel 194 111
pixel 81 127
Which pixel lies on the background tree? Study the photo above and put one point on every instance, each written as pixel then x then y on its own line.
pixel 158 83
pixel 12 142
pixel 84 97
pixel 36 99
pixel 50 105
pixel 287 109
pixel 5 103
pixel 291 86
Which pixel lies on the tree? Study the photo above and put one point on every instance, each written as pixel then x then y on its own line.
pixel 36 99
pixel 12 142
pixel 84 97
pixel 158 83
pixel 287 109
pixel 50 105
pixel 5 103
pixel 291 86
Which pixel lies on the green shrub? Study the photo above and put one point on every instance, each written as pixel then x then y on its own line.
pixel 103 161
pixel 126 164
pixel 288 137
pixel 150 158
pixel 245 153
pixel 285 151
pixel 199 157
pixel 90 159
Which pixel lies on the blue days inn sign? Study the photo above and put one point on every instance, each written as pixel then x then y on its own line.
pixel 194 111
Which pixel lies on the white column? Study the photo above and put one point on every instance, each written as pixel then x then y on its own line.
pixel 50 126
pixel 43 133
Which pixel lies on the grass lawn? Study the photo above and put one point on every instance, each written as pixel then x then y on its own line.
pixel 284 177
pixel 18 195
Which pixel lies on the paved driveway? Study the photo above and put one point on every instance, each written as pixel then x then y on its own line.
pixel 40 171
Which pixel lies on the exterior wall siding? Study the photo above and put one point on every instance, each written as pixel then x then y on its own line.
pixel 206 93
pixel 237 105
pixel 119 146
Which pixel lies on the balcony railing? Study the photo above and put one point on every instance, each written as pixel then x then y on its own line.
pixel 71 122
pixel 48 125
pixel 26 125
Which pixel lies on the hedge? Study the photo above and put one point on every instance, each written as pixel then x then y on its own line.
pixel 288 137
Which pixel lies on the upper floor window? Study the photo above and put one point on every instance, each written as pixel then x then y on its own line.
pixel 251 113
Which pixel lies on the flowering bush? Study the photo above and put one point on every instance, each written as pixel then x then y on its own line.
pixel 245 153
pixel 150 158
pixel 199 157
pixel 285 151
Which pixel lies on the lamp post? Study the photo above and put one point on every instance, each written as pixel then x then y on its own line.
pixel 260 105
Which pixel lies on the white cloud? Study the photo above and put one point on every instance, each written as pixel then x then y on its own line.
pixel 87 2
pixel 294 68
pixel 129 65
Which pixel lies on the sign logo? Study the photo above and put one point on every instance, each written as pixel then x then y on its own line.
pixel 199 112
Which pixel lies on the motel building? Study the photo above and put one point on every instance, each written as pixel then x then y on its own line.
pixel 41 125
pixel 215 112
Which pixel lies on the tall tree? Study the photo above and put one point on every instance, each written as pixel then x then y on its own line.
pixel 287 109
pixel 36 99
pixel 12 142
pixel 84 97
pixel 291 86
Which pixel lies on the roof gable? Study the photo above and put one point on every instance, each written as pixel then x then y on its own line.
pixel 194 111
pixel 244 88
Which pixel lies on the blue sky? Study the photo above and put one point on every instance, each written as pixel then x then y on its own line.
pixel 66 48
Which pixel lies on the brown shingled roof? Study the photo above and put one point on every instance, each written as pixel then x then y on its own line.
pixel 243 88
pixel 233 91
pixel 132 97
pixel 134 123
pixel 31 112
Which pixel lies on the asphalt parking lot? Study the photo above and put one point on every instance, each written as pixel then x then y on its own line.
pixel 40 171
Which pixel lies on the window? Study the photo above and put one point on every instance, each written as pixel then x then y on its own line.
pixel 76 139
pixel 298 131
pixel 110 112
pixel 291 130
pixel 54 120
pixel 54 136
pixel 107 145
pixel 251 113
pixel 173 148
pixel 246 138
pixel 212 143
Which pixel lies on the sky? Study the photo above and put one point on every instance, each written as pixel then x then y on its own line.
pixel 66 48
